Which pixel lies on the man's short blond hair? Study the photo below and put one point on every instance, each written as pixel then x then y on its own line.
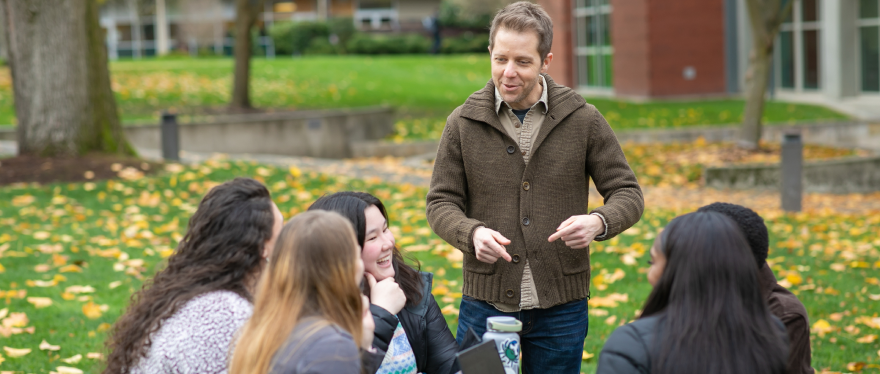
pixel 524 16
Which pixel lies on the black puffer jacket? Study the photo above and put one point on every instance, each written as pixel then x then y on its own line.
pixel 426 329
pixel 628 349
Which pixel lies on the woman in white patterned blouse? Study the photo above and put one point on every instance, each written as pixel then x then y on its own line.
pixel 185 318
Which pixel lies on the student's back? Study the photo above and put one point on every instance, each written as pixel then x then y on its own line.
pixel 316 348
pixel 185 318
pixel 705 314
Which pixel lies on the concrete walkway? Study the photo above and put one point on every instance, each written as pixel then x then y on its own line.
pixel 417 171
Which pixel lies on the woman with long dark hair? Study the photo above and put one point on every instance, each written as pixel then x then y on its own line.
pixel 309 314
pixel 705 313
pixel 409 323
pixel 184 319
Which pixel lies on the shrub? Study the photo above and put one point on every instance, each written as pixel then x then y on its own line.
pixel 322 46
pixel 295 37
pixel 378 45
pixel 466 43
pixel 344 30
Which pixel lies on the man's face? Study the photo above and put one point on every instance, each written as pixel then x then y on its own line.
pixel 516 65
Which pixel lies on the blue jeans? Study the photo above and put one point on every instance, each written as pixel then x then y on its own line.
pixel 552 339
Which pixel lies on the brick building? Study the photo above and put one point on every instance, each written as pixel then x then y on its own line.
pixel 827 52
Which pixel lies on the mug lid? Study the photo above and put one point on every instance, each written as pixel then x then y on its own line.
pixel 504 324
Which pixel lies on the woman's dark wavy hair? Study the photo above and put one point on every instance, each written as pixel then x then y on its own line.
pixel 352 205
pixel 222 250
pixel 713 319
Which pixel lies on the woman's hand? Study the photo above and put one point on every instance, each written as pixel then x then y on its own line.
pixel 386 294
pixel 368 326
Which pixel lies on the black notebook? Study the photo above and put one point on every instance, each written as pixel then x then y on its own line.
pixel 481 359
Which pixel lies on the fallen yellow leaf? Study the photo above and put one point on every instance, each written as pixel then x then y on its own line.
pixel 80 289
pixel 586 356
pixel 72 360
pixel 449 310
pixel 70 269
pixel 16 352
pixel 440 290
pixel 855 366
pixel 92 310
pixel 598 312
pixel 41 283
pixel 870 338
pixel 95 356
pixel 40 302
pixel 822 327
pixel 611 320
pixel 609 301
pixel 794 278
pixel 15 320
pixel 115 284
pixel 45 346
pixel 68 370
pixel 42 268
pixel 4 312
pixel 67 296
pixel 869 321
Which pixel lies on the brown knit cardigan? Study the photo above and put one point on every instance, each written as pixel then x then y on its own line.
pixel 480 179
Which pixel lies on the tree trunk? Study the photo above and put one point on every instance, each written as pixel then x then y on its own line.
pixel 61 83
pixel 756 89
pixel 765 18
pixel 246 12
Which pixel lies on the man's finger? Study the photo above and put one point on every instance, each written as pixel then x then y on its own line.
pixel 567 222
pixel 487 257
pixel 500 238
pixel 577 244
pixel 566 231
pixel 500 251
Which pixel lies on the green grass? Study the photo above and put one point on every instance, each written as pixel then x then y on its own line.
pixel 836 256
pixel 424 89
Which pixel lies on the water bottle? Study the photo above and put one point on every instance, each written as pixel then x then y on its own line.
pixel 505 332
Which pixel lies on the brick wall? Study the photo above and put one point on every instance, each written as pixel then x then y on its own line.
pixel 561 68
pixel 654 41
pixel 685 33
pixel 629 36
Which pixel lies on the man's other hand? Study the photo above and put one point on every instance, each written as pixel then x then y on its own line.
pixel 489 245
pixel 579 231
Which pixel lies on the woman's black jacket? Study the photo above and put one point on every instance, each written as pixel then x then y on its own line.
pixel 426 330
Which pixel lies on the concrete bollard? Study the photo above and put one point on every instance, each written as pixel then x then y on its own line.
pixel 170 137
pixel 792 170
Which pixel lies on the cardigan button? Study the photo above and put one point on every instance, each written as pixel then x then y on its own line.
pixel 526 186
pixel 509 293
pixel 515 259
pixel 510 149
pixel 525 221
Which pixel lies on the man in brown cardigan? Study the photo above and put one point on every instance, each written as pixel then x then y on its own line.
pixel 511 181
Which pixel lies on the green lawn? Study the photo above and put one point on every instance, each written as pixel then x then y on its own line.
pixel 424 89
pixel 112 235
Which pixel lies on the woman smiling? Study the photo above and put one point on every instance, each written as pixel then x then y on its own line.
pixel 409 323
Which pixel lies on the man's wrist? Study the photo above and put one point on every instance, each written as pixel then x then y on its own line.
pixel 604 225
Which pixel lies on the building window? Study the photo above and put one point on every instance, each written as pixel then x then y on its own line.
pixel 869 45
pixel 594 53
pixel 799 47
